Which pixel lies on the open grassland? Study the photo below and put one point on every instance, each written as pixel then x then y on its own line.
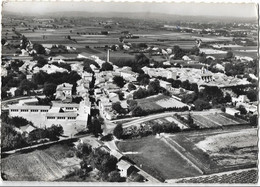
pixel 219 150
pixel 39 165
pixel 157 158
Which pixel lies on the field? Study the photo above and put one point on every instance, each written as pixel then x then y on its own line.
pixel 40 165
pixel 217 151
pixel 158 102
pixel 170 102
pixel 215 120
pixel 157 159
pixel 193 153
pixel 166 120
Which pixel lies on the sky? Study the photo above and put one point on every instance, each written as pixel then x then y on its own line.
pixel 194 9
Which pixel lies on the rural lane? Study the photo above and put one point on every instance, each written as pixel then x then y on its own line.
pixel 155 116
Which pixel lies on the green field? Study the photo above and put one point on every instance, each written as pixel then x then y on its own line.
pixel 157 158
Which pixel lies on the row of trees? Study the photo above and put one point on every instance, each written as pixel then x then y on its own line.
pixel 144 130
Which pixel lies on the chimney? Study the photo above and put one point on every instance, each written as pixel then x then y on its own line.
pixel 108 55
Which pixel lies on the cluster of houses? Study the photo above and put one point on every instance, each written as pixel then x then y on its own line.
pixel 199 76
pixel 107 92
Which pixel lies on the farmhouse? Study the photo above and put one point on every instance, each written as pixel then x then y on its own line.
pixel 64 91
pixel 165 84
pixel 232 111
pixel 240 99
pixel 126 168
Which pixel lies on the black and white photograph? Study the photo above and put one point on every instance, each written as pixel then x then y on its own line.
pixel 129 93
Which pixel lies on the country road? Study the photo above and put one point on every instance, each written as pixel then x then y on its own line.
pixel 155 116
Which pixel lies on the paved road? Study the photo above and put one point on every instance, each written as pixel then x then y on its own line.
pixel 155 116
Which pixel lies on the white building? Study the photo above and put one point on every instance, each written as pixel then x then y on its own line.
pixel 232 111
pixel 240 99
pixel 165 84
pixel 125 168
pixel 64 91
pixel 72 117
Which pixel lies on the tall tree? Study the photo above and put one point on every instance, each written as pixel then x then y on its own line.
pixel 49 89
pixel 119 81
pixel 118 131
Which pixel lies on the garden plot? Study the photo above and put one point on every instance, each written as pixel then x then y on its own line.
pixel 181 125
pixel 203 122
pixel 39 165
pixel 233 118
pixel 215 120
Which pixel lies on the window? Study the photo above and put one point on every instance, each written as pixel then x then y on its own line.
pixel 14 110
pixel 44 110
pixel 69 108
pixel 24 110
pixel 61 117
pixel 72 118
pixel 50 117
pixel 34 110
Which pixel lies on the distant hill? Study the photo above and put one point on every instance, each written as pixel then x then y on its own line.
pixel 137 15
